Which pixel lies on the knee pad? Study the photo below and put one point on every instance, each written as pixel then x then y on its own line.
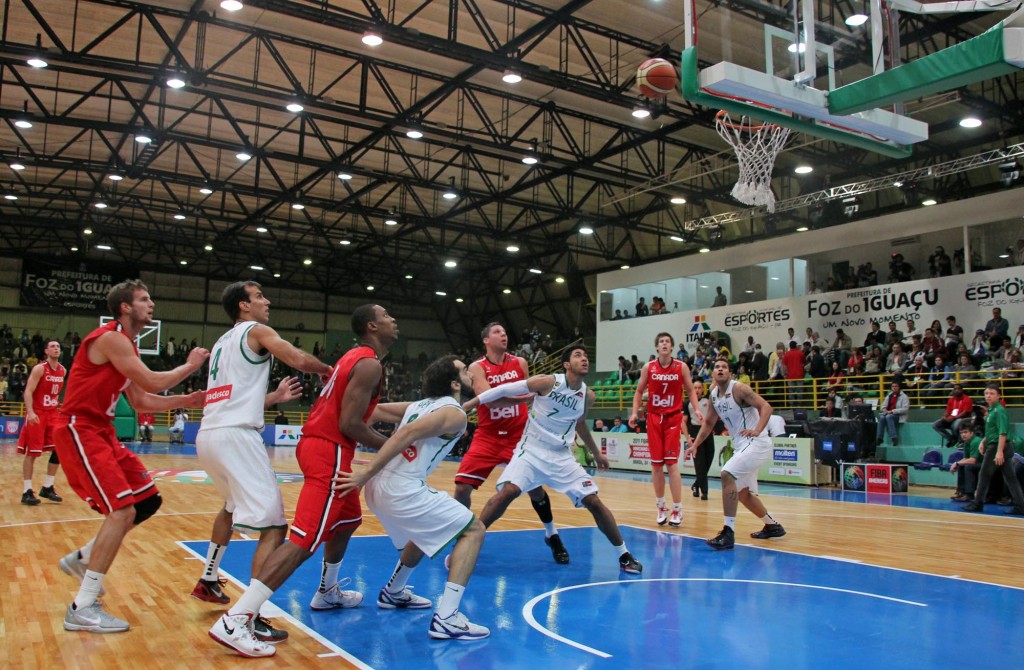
pixel 147 508
pixel 543 508
pixel 53 458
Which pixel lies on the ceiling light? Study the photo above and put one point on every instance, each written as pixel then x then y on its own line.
pixel 506 291
pixel 530 159
pixel 536 271
pixel 559 280
pixel 370 287
pixel 243 155
pixel 511 77
pixel 623 267
pixel 174 81
pixel 100 205
pixel 87 231
pixel 929 202
pixel 345 243
pixel 16 165
pixel 970 122
pixel 261 229
pixel 748 291
pixel 298 205
pixel 74 248
pixel 775 279
pixel 803 169
pixel 641 111
pixel 208 247
pixel 372 39
pixel 511 248
pixel 256 267
pixel 408 276
pixel 179 216
pixel 414 133
pixel 450 264
pixel 23 123
pixel 307 261
pixel 703 250
pixel 115 177
pixel 459 300
pixel 802 229
pixel 1006 255
pixel 37 62
pixel 277 274
pixel 231 5
pixel 450 193
pixel 206 190
pixel 391 220
pixel 182 262
pixel 104 247
pixel 677 200
pixel 586 230
pixel 897 184
pixel 10 196
pixel 143 139
pixel 344 176
pixel 858 19
pixel 440 293
pixel 676 238
pixel 294 107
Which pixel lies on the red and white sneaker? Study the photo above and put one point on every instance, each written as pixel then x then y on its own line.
pixel 662 515
pixel 675 518
pixel 236 632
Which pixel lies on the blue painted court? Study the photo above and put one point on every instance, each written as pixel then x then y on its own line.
pixel 692 607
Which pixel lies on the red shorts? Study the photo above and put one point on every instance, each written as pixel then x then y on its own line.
pixel 101 470
pixel 664 437
pixel 320 511
pixel 35 438
pixel 484 454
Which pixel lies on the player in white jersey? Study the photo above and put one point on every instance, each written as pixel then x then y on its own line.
pixel 544 455
pixel 746 415
pixel 418 519
pixel 229 444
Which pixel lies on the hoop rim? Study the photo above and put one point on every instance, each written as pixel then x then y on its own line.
pixel 739 126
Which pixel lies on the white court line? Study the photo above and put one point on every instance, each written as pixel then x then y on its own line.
pixel 275 611
pixel 532 621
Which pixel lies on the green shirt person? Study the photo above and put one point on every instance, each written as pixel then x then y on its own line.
pixel 997 457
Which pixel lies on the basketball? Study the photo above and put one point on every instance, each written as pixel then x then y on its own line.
pixel 656 78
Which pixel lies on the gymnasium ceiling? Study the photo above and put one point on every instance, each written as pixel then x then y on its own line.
pixel 440 68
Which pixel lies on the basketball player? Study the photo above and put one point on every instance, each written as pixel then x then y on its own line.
pixel 42 395
pixel 746 415
pixel 229 444
pixel 499 427
pixel 101 470
pixel 665 378
pixel 420 520
pixel 544 453
pixel 337 421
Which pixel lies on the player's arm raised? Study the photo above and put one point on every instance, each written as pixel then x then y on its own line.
pixel 445 421
pixel 638 395
pixel 117 350
pixel 265 338
pixel 743 393
pixel 364 380
pixel 30 389
pixel 538 385
pixel 583 430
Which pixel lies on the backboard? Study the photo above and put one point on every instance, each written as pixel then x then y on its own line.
pixel 148 340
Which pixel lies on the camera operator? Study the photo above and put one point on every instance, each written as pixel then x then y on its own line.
pixel 866 275
pixel 939 264
pixel 899 269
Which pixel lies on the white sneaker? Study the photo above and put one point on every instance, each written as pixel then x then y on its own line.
pixel 405 599
pixel 456 627
pixel 335 597
pixel 73 566
pixel 93 619
pixel 662 515
pixel 235 632
pixel 675 518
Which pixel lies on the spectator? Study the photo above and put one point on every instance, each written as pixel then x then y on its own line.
pixel 893 336
pixel 623 369
pixel 599 426
pixel 932 345
pixel 855 364
pixel 841 348
pixel 954 337
pixel 964 369
pixel 681 354
pixel 776 366
pixel 892 412
pixel 867 275
pixel 979 348
pixel 635 367
pixel 758 364
pixel 145 426
pixel 790 337
pixel 835 378
pixel 997 328
pixel 658 306
pixel 625 314
pixel 940 264
pixel 618 426
pixel 1018 253
pixel 830 411
pixel 940 377
pixel 897 360
pixel 794 361
pixel 720 300
pixel 618 315
pixel 177 429
pixel 814 290
pixel 281 419
pixel 899 269
pixel 959 410
pixel 968 467
pixel 815 365
pixel 748 348
pixel 642 309
pixel 1018 339
pixel 874 336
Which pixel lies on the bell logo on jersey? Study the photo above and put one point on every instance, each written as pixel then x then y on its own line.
pixel 409 453
pixel 510 412
pixel 663 401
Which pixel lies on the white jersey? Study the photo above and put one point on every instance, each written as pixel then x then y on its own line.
pixel 735 416
pixel 236 386
pixel 422 457
pixel 552 420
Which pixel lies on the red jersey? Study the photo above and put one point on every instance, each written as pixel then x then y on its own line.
pixel 326 413
pixel 46 397
pixel 502 421
pixel 93 391
pixel 664 387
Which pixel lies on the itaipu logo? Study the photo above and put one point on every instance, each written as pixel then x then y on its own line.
pixel 699 329
pixel 290 435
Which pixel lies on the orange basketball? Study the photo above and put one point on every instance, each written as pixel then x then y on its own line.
pixel 656 78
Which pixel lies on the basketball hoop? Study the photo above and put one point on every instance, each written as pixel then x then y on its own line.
pixel 756 147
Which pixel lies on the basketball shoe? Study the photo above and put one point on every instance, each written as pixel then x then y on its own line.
pixel 676 518
pixel 29 498
pixel 724 540
pixel 236 632
pixel 264 632
pixel 51 495
pixel 335 597
pixel 629 564
pixel 73 566
pixel 456 627
pixel 211 591
pixel 92 618
pixel 558 550
pixel 662 515
pixel 769 530
pixel 404 599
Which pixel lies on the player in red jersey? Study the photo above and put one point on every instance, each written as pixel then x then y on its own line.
pixel 665 378
pixel 100 469
pixel 500 425
pixel 339 420
pixel 42 395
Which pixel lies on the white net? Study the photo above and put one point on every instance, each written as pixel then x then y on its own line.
pixel 756 145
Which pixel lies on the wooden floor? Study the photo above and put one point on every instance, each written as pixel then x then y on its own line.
pixel 152 577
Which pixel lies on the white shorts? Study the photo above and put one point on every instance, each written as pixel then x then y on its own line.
pixel 749 454
pixel 411 511
pixel 236 459
pixel 556 469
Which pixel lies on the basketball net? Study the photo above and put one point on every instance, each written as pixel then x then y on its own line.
pixel 756 147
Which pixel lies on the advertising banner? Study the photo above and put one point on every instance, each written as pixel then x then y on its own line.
pixel 80 287
pixel 792 458
pixel 287 436
pixel 875 478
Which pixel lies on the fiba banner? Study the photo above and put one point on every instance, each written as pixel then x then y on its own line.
pixel 77 287
pixel 792 459
pixel 970 298
pixel 875 478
